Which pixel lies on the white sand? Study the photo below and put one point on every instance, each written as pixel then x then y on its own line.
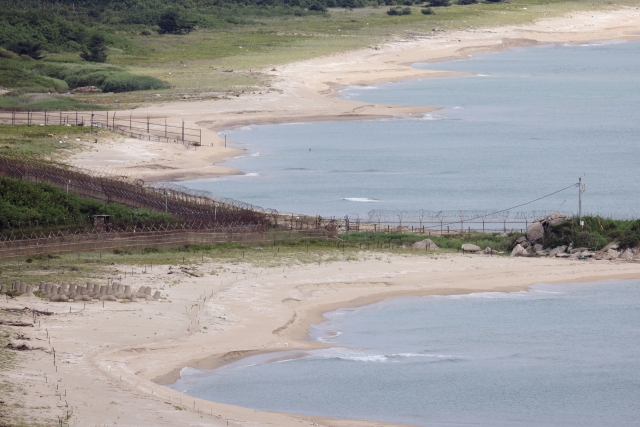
pixel 112 360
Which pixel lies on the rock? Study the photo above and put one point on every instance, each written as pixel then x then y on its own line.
pixel 426 244
pixel 535 232
pixel 468 247
pixel 558 250
pixel 562 255
pixel 87 89
pixel 555 219
pixel 156 295
pixel 488 251
pixel 519 251
pixel 627 255
pixel 611 254
pixel 577 250
pixel 537 247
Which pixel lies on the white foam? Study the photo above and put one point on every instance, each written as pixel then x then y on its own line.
pixel 360 199
pixel 432 117
pixel 486 295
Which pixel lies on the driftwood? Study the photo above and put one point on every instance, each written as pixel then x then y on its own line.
pixel 22 347
pixel 26 309
pixel 10 323
pixel 190 273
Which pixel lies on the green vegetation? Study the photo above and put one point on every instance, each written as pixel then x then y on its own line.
pixel 596 233
pixel 44 141
pixel 38 76
pixel 212 47
pixel 29 205
pixel 399 11
pixel 96 50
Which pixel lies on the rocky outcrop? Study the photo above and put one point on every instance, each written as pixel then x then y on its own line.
pixel 535 234
pixel 468 247
pixel 426 245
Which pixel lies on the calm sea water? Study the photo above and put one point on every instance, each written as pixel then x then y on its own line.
pixel 561 355
pixel 530 122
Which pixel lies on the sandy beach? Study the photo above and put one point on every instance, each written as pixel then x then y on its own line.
pixel 306 91
pixel 111 362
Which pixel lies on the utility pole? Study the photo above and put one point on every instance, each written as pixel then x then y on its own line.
pixel 581 189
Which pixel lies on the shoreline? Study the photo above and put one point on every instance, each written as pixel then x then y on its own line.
pixel 269 309
pixel 301 332
pixel 307 91
pixel 112 355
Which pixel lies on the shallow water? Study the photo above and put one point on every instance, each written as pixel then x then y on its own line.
pixel 530 122
pixel 561 355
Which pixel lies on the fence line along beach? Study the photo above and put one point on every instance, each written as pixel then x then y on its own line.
pixel 104 360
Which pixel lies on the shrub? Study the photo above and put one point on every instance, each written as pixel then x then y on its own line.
pixel 96 49
pixel 427 11
pixel 318 7
pixel 8 54
pixel 125 82
pixel 466 2
pixel 175 21
pixel 151 251
pixel 394 11
pixel 439 3
pixel 630 238
pixel 28 48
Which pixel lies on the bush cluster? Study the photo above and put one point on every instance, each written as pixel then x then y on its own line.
pixel 596 233
pixel 25 204
pixel 399 11
pixel 48 77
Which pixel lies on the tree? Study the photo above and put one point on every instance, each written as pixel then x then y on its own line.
pixel 95 50
pixel 439 3
pixel 174 21
pixel 26 47
pixel 466 2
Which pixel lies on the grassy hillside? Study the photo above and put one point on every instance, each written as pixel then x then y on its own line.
pixel 216 46
pixel 26 205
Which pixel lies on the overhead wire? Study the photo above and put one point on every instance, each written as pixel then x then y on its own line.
pixel 517 206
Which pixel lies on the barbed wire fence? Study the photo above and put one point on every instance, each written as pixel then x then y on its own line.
pixel 146 127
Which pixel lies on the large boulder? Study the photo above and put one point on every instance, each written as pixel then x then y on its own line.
pixel 426 244
pixel 468 247
pixel 535 232
pixel 611 254
pixel 627 255
pixel 518 250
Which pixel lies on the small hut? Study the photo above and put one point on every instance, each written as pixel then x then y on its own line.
pixel 100 222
